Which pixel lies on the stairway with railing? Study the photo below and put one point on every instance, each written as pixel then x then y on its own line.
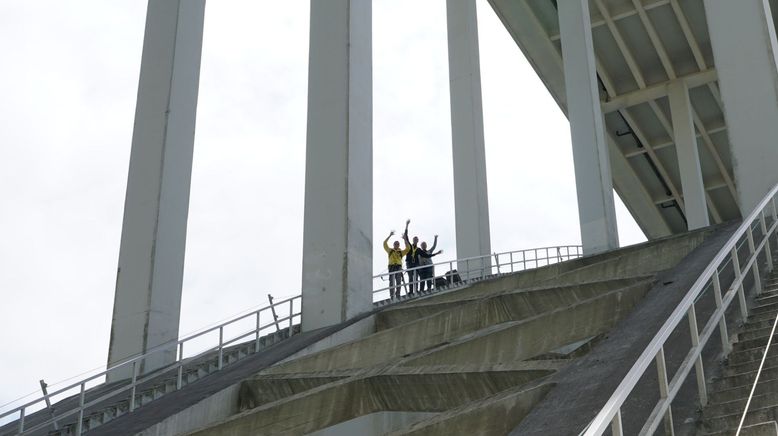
pixel 90 402
pixel 740 265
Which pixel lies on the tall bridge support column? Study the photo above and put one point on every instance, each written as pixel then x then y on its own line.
pixel 594 185
pixel 471 200
pixel 338 227
pixel 147 302
pixel 744 44
pixel 695 207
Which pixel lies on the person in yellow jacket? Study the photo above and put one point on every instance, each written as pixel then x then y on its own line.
pixel 395 264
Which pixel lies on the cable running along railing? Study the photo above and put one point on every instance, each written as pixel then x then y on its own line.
pixel 754 237
pixel 464 271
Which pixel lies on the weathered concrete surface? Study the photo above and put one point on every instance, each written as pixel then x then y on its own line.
pixel 467 319
pixel 262 390
pixel 378 423
pixel 519 340
pixel 584 386
pixel 535 301
pixel 763 429
pixel 495 415
pixel 343 400
pixel 638 260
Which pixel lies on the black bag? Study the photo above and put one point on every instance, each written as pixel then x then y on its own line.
pixel 452 277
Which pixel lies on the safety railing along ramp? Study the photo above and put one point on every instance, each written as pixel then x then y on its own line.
pixel 677 373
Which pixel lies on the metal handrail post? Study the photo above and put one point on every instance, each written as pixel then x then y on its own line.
pixel 291 318
pixel 180 374
pixel 524 259
pixel 510 256
pixel 133 384
pixel 21 419
pixel 725 345
pixel 740 293
pixel 80 422
pixel 664 388
pixel 256 339
pixel 221 347
pixel 616 427
pixel 774 209
pixel 768 251
pixel 698 367
pixel 755 267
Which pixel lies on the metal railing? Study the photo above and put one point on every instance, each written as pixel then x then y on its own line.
pixel 467 270
pixel 462 271
pixel 670 384
pixel 265 318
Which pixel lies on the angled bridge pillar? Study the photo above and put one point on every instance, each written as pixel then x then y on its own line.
pixel 338 223
pixel 147 301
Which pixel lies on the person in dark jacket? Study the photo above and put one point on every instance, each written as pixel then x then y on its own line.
pixel 426 273
pixel 411 260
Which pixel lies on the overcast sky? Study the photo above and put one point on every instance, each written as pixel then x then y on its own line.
pixel 68 84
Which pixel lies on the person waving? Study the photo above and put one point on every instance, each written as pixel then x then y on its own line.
pixel 395 264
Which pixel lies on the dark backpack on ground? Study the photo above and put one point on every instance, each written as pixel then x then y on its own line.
pixel 452 277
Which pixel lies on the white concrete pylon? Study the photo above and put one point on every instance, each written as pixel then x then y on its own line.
pixel 151 258
pixel 467 131
pixel 695 206
pixel 338 227
pixel 594 185
pixel 744 46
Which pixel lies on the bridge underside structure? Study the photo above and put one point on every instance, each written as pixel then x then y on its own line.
pixel 665 106
pixel 686 107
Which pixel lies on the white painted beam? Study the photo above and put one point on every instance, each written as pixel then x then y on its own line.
pixel 657 91
pixel 695 208
pixel 147 302
pixel 338 224
pixel 467 131
pixel 749 91
pixel 594 184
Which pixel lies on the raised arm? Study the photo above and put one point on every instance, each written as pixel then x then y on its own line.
pixel 428 254
pixel 434 244
pixel 386 243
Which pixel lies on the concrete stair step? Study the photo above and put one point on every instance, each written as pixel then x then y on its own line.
pixel 750 344
pixel 751 365
pixel 730 422
pixel 762 316
pixel 746 379
pixel 765 308
pixel 767 399
pixel 762 429
pixel 756 325
pixel 767 297
pixel 755 332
